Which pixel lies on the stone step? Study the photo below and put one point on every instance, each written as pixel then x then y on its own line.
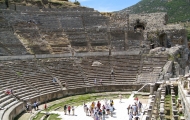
pixel 3 104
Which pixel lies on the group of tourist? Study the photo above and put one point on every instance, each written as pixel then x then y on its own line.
pixel 69 109
pixel 134 109
pixel 98 111
pixel 34 106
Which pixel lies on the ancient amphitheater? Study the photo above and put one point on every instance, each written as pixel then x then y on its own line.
pixel 77 45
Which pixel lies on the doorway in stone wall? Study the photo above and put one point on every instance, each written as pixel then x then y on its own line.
pixel 139 27
pixel 163 40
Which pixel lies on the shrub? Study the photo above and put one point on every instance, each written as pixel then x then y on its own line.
pixel 77 2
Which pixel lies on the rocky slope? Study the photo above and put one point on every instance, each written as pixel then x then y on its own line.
pixel 42 3
pixel 178 10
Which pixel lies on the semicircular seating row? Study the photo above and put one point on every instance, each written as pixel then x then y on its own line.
pixel 30 78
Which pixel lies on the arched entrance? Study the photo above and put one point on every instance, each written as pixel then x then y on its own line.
pixel 163 40
pixel 139 26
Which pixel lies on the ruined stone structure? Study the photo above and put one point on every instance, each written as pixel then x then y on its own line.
pixel 33 30
pixel 125 51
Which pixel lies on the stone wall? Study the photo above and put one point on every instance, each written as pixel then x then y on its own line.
pixel 184 97
pixel 79 29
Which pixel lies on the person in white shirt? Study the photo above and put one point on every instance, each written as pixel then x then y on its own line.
pixel 95 81
pixel 120 97
pixel 73 110
pixel 107 109
pixel 130 116
pixel 111 110
pixel 106 101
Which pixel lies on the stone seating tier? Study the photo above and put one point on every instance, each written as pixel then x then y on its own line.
pixel 8 38
pixel 39 24
pixel 79 9
pixel 30 78
pixel 95 20
pixel 41 83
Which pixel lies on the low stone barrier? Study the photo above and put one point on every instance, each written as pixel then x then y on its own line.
pixel 173 103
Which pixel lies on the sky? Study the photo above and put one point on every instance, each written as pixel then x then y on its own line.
pixel 107 5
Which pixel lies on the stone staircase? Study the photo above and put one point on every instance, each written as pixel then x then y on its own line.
pixel 126 69
pixel 151 68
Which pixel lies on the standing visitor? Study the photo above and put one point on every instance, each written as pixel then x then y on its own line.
pixel 100 114
pixel 95 81
pixel 130 116
pixel 45 106
pixel 140 107
pixel 103 107
pixel 27 107
pixel 34 105
pixel 103 114
pixel 73 110
pixel 95 115
pixel 136 99
pixel 87 111
pixel 84 106
pixel 98 104
pixel 54 80
pixel 69 109
pixel 66 85
pixel 30 108
pixel 111 110
pixel 101 81
pixel 65 109
pixel 93 105
pixel 120 98
pixel 128 109
pixel 37 104
pixel 106 101
pixel 134 109
pixel 107 109
pixel 112 73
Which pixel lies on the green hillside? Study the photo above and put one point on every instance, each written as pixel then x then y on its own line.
pixel 178 10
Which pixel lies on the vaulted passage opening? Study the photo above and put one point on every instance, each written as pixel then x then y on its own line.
pixel 139 27
pixel 163 40
pixel 7 3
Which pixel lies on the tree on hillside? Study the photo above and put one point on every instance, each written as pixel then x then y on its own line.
pixel 77 2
